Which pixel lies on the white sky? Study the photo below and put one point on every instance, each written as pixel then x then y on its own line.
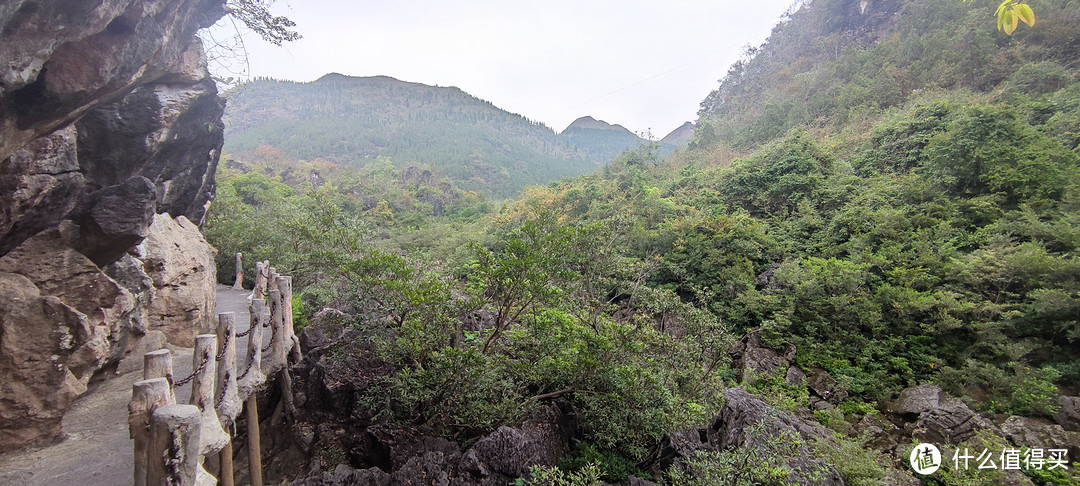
pixel 643 64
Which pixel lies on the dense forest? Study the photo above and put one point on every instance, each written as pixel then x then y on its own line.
pixel 884 193
pixel 352 121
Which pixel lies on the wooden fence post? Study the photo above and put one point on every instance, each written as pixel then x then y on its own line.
pixel 252 377
pixel 158 364
pixel 254 443
pixel 239 283
pixel 292 343
pixel 173 455
pixel 146 396
pixel 202 394
pixel 249 382
pixel 273 361
pixel 271 279
pixel 228 403
pixel 256 290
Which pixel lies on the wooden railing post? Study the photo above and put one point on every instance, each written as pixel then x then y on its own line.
pixel 261 269
pixel 158 364
pixel 249 382
pixel 254 443
pixel 202 394
pixel 276 357
pixel 271 279
pixel 146 396
pixel 173 454
pixel 292 343
pixel 252 377
pixel 227 403
pixel 239 283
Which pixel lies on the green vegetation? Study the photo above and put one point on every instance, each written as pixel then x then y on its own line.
pixel 763 463
pixel 894 190
pixel 352 121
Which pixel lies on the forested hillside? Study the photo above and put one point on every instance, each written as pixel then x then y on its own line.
pixel 353 120
pixel 886 194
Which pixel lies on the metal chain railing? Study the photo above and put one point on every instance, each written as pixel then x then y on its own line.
pixel 202 366
pixel 246 370
pixel 225 344
pixel 174 456
pixel 273 329
pixel 224 390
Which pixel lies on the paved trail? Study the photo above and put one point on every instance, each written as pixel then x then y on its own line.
pixel 96 449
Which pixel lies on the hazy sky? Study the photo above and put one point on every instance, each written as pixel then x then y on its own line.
pixel 643 64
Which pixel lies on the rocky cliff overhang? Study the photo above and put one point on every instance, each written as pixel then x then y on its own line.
pixel 108 117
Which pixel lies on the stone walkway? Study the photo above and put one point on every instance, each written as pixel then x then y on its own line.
pixel 96 449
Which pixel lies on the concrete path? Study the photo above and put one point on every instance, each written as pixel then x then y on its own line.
pixel 96 449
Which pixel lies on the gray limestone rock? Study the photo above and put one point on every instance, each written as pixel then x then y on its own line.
pixel 1068 414
pixel 917 400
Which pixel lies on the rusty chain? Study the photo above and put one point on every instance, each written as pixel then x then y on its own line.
pixel 246 370
pixel 202 366
pixel 224 389
pixel 173 456
pixel 224 344
pixel 273 329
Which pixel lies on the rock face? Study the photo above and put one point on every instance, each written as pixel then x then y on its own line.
pixel 753 359
pixel 35 380
pixel 58 270
pixel 747 422
pixel 917 399
pixel 107 118
pixel 65 58
pixel 1029 432
pixel 938 417
pixel 1068 414
pixel 180 263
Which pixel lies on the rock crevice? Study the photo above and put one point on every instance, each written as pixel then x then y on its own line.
pixel 110 127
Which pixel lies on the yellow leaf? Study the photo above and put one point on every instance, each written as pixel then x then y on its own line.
pixel 1007 22
pixel 1002 8
pixel 1024 12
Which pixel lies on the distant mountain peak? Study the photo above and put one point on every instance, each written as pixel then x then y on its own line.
pixel 338 77
pixel 680 136
pixel 588 122
pixel 333 77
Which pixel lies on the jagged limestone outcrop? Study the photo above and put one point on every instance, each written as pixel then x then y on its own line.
pixel 180 263
pixel 109 121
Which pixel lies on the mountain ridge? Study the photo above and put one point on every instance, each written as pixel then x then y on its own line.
pixel 351 119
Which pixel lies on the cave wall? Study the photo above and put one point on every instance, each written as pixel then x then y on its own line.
pixel 109 123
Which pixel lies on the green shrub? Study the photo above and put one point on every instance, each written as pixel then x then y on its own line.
pixel 589 475
pixel 612 466
pixel 858 464
pixel 765 463
pixel 1041 77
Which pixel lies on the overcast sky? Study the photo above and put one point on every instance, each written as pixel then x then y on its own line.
pixel 645 65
